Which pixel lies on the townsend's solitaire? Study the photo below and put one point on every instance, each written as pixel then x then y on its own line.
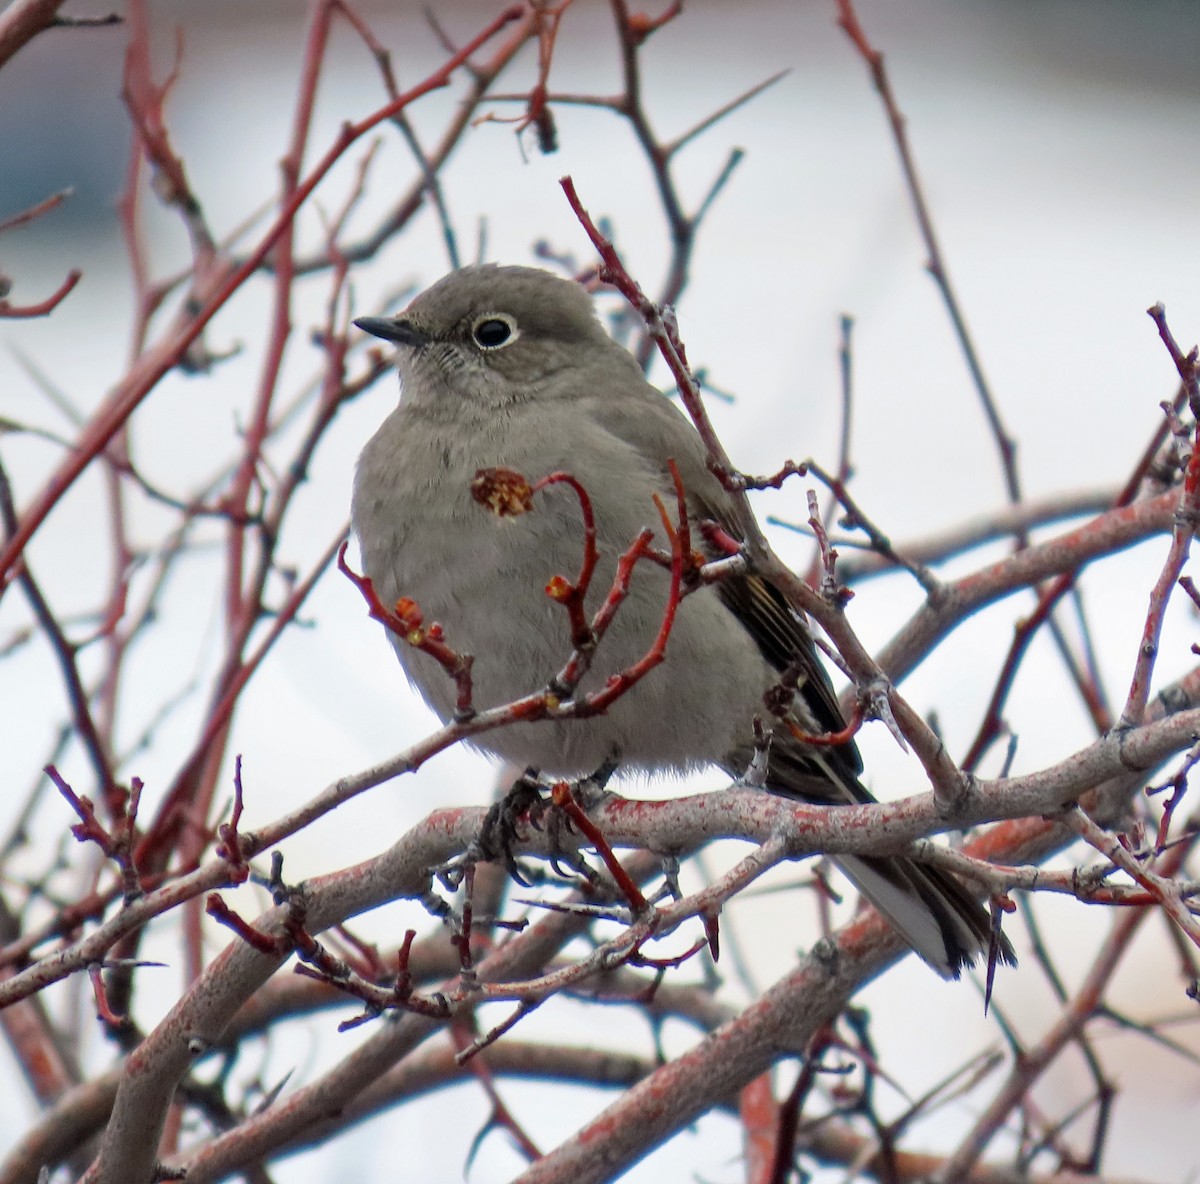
pixel 509 366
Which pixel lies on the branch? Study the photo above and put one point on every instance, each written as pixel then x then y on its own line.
pixel 157 361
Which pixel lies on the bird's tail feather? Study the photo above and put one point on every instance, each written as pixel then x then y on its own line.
pixel 930 909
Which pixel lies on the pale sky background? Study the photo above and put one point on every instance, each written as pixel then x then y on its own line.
pixel 1058 147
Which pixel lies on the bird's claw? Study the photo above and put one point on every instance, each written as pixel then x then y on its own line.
pixel 500 829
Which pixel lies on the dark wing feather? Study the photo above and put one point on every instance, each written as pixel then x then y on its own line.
pixel 930 907
pixel 783 639
pixel 935 913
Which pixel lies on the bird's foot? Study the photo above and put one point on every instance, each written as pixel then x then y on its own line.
pixel 524 802
pixel 500 830
pixel 591 791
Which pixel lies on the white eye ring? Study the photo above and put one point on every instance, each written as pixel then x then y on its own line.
pixel 494 330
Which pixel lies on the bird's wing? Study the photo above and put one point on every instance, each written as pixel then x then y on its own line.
pixel 658 429
pixel 934 912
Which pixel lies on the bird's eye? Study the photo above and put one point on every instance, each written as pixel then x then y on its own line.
pixel 494 331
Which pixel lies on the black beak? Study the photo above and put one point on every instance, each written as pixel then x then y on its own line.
pixel 394 329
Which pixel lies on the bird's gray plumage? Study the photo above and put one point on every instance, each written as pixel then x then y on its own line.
pixel 509 366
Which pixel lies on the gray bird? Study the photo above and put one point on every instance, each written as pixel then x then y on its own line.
pixel 510 367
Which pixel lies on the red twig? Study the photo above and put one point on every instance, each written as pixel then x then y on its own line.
pixel 230 846
pixel 1185 366
pixel 1032 1063
pixel 145 100
pixel 660 328
pixel 719 539
pixel 406 622
pixel 573 595
pixel 830 588
pixel 641 24
pixel 117 842
pixel 1187 517
pixel 829 739
pixel 565 800
pixel 537 111
pixel 36 211
pixel 103 1009
pixel 636 958
pixel 44 307
pixel 775 480
pixel 501 1117
pixel 759 1116
pixel 264 943
pixel 146 374
pixel 160 835
pixel 856 519
pixel 23 20
pixel 580 660
pixel 1178 785
pixel 790 1109
pixel 599 701
pixel 462 940
pixel 523 1008
pixel 1048 597
pixel 679 531
pixel 849 22
pixel 992 725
